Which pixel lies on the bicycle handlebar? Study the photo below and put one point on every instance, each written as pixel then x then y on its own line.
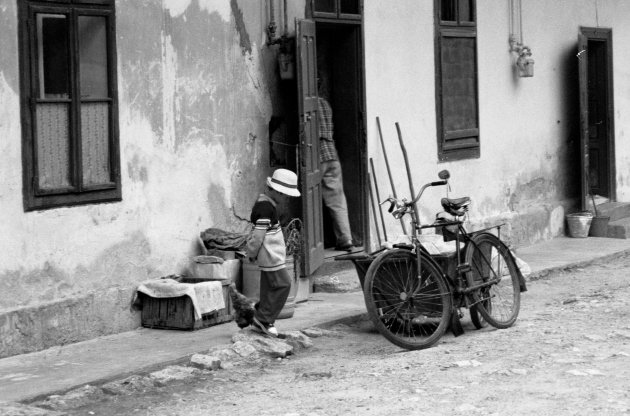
pixel 427 185
pixel 398 208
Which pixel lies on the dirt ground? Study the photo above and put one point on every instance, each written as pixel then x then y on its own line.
pixel 568 354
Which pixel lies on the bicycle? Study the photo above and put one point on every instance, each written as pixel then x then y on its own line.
pixel 412 297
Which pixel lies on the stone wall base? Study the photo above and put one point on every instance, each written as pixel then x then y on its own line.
pixel 42 326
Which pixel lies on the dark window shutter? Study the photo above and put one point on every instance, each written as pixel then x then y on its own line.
pixel 457 97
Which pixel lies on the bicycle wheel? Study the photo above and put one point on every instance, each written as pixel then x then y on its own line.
pixel 478 321
pixel 491 263
pixel 411 311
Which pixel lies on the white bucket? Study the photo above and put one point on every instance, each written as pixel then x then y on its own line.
pixel 579 224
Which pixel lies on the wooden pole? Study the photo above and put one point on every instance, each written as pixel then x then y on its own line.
pixel 378 233
pixel 378 199
pixel 404 151
pixel 389 172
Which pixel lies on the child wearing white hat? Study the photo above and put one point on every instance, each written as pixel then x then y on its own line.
pixel 266 246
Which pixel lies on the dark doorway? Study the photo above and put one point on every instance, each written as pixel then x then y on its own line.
pixel 596 111
pixel 339 60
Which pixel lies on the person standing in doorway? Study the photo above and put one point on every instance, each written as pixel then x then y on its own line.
pixel 332 181
pixel 266 247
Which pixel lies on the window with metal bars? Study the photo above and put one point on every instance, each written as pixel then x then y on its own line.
pixel 69 103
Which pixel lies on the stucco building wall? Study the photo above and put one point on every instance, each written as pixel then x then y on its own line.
pixel 528 172
pixel 197 88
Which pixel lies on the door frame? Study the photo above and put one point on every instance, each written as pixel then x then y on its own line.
pixel 360 171
pixel 362 131
pixel 585 35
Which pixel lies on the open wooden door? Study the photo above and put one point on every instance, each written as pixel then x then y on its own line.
pixel 309 170
pixel 597 142
pixel 582 55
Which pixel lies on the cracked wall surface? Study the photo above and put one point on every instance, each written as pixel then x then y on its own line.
pixel 198 93
pixel 197 87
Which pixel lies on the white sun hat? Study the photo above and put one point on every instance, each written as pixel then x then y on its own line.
pixel 284 181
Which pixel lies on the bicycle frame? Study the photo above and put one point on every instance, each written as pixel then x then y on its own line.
pixel 462 267
pixel 456 283
pixel 481 276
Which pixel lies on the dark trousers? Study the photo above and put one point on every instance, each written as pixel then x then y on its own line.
pixel 274 291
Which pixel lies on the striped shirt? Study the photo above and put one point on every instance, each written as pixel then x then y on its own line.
pixel 327 151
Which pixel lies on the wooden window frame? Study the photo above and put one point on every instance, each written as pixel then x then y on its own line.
pixel 336 16
pixel 78 193
pixel 449 147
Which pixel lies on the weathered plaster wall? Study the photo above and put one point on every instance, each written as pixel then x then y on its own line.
pixel 196 87
pixel 527 172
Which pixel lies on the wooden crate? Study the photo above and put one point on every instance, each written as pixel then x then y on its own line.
pixel 179 313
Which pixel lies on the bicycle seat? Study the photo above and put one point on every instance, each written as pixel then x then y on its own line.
pixel 456 206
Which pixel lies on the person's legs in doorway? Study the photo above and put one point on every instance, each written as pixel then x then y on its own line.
pixel 335 199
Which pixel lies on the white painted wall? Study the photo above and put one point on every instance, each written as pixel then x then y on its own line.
pixel 527 124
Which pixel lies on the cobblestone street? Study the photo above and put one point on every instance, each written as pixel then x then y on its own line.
pixel 568 354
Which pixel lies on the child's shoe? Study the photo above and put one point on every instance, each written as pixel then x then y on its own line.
pixel 265 328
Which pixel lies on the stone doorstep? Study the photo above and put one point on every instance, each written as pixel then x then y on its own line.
pixel 619 228
pixel 614 210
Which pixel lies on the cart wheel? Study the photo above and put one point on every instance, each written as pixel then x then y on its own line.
pixel 411 311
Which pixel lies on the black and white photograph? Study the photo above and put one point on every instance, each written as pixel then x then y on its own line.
pixel 314 207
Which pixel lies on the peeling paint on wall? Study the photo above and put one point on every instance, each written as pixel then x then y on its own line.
pixel 197 86
pixel 240 28
pixel 213 94
pixel 535 190
pixel 178 7
pixel 137 170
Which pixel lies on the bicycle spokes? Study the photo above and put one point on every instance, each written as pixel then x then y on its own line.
pixel 409 307
pixel 493 275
